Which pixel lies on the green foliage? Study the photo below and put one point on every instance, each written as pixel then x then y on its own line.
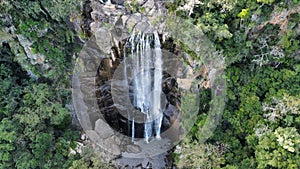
pixel 40 104
pixel 60 9
pixel 57 10
pixel 33 120
pixel 260 124
pixel 44 25
pixel 262 80
pixel 288 138
pixel 189 109
pixel 91 159
pixel 266 1
pixel 244 13
pixel 247 90
pixel 194 155
pixel 134 7
pixel 5 6
pixel 7 137
pixel 279 149
pixel 289 42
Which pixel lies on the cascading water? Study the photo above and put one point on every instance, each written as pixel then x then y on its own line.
pixel 145 84
pixel 157 85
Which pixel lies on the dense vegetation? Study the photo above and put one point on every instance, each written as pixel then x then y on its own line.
pixel 35 119
pixel 260 124
pixel 260 127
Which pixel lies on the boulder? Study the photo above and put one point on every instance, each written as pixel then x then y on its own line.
pixel 103 129
pixel 111 146
pixel 92 135
pixel 103 40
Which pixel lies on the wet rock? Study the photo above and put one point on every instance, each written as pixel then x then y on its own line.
pixel 171 113
pixel 133 148
pixel 106 69
pixel 168 84
pixel 110 115
pixel 172 98
pixel 103 129
pixel 166 123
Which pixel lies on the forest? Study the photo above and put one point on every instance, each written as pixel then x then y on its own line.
pixel 259 40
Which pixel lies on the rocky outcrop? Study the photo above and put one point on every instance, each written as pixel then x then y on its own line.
pixel 104 121
pixel 35 58
pixel 114 21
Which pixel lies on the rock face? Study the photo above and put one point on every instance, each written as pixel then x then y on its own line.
pixel 171 113
pixel 103 40
pixel 118 18
pixel 133 149
pixel 113 23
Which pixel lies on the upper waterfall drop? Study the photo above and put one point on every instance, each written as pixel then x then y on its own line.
pixel 147 70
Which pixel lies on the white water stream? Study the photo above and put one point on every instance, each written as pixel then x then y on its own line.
pixel 147 86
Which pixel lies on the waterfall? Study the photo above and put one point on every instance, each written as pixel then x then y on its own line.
pixel 145 83
pixel 157 85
